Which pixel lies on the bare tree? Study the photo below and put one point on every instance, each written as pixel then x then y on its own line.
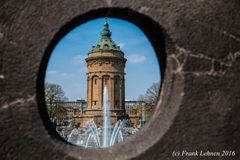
pixel 54 94
pixel 150 98
pixel 152 94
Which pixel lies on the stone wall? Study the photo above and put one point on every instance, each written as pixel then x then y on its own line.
pixel 198 45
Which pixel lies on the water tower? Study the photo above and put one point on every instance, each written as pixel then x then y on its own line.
pixel 105 63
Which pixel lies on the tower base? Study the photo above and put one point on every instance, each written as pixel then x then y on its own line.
pixel 97 117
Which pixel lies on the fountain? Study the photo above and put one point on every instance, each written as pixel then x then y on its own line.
pixel 106 118
pixel 91 136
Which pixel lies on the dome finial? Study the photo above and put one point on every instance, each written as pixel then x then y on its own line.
pixel 106 19
pixel 106 43
pixel 106 32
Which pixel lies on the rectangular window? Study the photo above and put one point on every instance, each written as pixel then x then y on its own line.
pixel 116 103
pixel 95 81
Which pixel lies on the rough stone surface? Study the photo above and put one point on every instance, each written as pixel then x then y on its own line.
pixel 199 104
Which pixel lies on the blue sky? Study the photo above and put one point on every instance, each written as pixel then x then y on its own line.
pixel 67 66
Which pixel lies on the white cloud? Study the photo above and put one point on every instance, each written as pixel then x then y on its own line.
pixel 121 45
pixel 136 58
pixel 80 59
pixel 64 74
pixel 52 72
pixel 67 75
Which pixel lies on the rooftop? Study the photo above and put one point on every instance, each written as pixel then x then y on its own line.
pixel 106 43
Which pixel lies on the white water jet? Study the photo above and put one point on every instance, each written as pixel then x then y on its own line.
pixel 92 133
pixel 106 118
pixel 116 132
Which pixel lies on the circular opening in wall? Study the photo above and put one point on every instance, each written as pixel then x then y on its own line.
pixel 102 83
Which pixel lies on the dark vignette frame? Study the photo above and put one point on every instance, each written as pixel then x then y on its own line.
pixel 151 29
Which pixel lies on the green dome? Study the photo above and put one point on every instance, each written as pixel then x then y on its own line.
pixel 106 43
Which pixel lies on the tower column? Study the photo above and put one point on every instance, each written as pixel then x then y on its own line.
pixel 122 93
pixel 100 89
pixel 89 93
pixel 112 93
